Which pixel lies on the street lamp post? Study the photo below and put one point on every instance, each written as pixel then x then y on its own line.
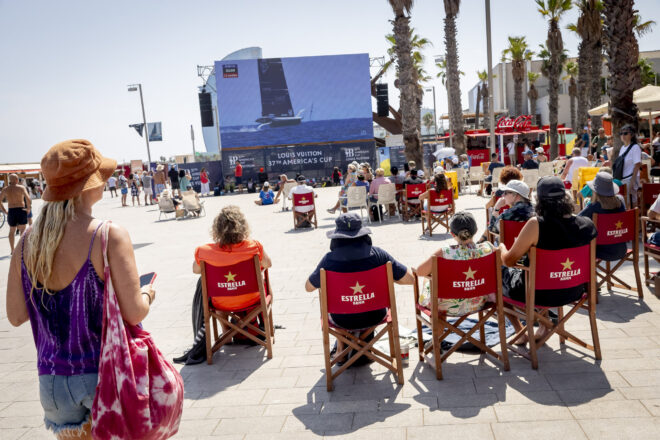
pixel 435 113
pixel 138 87
pixel 491 110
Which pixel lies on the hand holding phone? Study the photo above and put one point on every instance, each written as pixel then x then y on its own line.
pixel 147 278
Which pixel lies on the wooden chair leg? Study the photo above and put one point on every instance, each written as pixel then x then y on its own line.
pixel 647 275
pixel 482 330
pixel 209 353
pixel 328 365
pixel 215 330
pixel 501 327
pixel 420 338
pixel 560 316
pixel 437 355
pixel 267 329
pixel 609 279
pixel 532 340
pixel 594 330
pixel 640 291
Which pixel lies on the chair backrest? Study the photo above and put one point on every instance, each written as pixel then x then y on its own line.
pixel 476 172
pixel 509 231
pixel 650 193
pixel 414 190
pixel 546 169
pixel 496 175
pixel 530 177
pixel 465 278
pixel 165 204
pixel 387 193
pixel 358 292
pixel 619 227
pixel 242 278
pixel 305 199
pixel 561 269
pixel 440 198
pixel 190 201
pixel 356 196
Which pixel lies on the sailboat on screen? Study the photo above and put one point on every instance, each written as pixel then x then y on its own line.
pixel 276 108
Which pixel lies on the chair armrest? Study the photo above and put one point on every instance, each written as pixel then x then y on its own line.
pixel 415 285
pixel 650 220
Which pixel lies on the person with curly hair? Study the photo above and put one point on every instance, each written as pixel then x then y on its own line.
pixel 231 244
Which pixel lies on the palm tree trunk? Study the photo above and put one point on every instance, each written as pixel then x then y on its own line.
pixel 621 48
pixel 484 98
pixel 595 59
pixel 518 71
pixel 583 86
pixel 555 45
pixel 574 121
pixel 453 78
pixel 476 113
pixel 533 95
pixel 408 87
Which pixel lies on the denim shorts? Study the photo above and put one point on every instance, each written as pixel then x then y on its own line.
pixel 67 400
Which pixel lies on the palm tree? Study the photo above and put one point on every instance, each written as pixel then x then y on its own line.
pixel 483 78
pixel 553 10
pixel 442 74
pixel 590 49
pixel 641 28
pixel 517 53
pixel 453 75
pixel 572 72
pixel 407 82
pixel 621 48
pixel 427 120
pixel 646 70
pixel 533 94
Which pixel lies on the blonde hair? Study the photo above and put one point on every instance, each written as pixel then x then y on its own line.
pixel 606 202
pixel 380 172
pixel 44 239
pixel 230 226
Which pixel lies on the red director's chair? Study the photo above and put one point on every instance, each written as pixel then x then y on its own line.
pixel 556 270
pixel 411 202
pixel 359 292
pixel 620 227
pixel 430 218
pixel 650 193
pixel 303 200
pixel 243 278
pixel 461 279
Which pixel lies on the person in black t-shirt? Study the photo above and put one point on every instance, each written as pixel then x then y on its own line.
pixel 173 174
pixel 529 163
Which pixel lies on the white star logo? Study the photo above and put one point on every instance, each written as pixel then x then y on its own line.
pixel 469 275
pixel 568 264
pixel 230 277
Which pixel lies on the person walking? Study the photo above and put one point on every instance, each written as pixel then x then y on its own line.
pixel 173 174
pixel 238 175
pixel 204 179
pixel 134 184
pixel 112 185
pixel 123 188
pixel 57 283
pixel 147 178
pixel 19 205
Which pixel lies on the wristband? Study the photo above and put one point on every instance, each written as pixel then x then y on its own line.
pixel 148 295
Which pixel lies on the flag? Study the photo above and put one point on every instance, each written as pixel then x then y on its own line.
pixel 138 128
pixel 155 131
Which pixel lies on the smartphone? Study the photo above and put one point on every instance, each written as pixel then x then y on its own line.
pixel 147 278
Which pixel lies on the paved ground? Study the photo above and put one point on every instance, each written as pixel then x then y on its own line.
pixel 244 396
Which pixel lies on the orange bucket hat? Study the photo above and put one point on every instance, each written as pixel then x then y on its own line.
pixel 72 167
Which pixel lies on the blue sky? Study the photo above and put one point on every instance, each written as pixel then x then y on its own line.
pixel 337 86
pixel 66 64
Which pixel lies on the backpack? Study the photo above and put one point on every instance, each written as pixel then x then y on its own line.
pixel 618 165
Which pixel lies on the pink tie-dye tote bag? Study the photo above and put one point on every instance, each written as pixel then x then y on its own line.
pixel 139 394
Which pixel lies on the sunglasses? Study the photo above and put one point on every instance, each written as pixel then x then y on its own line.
pixel 623 133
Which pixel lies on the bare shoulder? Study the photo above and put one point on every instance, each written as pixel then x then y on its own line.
pixel 118 235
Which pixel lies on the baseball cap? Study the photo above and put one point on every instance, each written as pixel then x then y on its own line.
pixel 550 187
pixel 518 187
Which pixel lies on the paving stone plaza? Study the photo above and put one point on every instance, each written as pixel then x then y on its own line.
pixel 245 396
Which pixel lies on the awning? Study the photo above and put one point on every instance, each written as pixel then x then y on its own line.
pixel 20 168
pixel 647 99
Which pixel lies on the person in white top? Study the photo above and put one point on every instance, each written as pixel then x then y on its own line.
pixel 632 161
pixel 511 148
pixel 112 186
pixel 572 165
pixel 301 188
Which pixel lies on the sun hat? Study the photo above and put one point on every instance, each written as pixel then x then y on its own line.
pixel 463 221
pixel 266 183
pixel 540 150
pixel 438 170
pixel 72 167
pixel 517 186
pixel 550 187
pixel 300 178
pixel 603 185
pixel 454 160
pixel 528 153
pixel 420 173
pixel 348 225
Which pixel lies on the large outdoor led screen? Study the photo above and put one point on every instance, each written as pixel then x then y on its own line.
pixel 286 101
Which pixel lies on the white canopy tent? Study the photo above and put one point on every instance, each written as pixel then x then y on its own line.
pixel 648 102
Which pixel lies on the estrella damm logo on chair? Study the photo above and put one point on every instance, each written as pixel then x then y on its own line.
pixel 303 201
pixel 231 283
pixel 470 283
pixel 619 230
pixel 358 296
pixel 415 191
pixel 567 272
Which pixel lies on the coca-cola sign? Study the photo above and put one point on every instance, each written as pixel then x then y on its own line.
pixel 521 123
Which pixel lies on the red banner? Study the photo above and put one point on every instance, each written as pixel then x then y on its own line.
pixel 562 269
pixel 357 292
pixel 237 279
pixel 467 278
pixel 521 123
pixel 478 156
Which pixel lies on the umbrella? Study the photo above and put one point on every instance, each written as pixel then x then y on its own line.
pixel 441 153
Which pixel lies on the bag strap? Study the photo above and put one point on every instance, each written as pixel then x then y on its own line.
pixel 623 159
pixel 104 241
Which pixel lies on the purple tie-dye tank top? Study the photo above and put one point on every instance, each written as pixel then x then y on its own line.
pixel 67 325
